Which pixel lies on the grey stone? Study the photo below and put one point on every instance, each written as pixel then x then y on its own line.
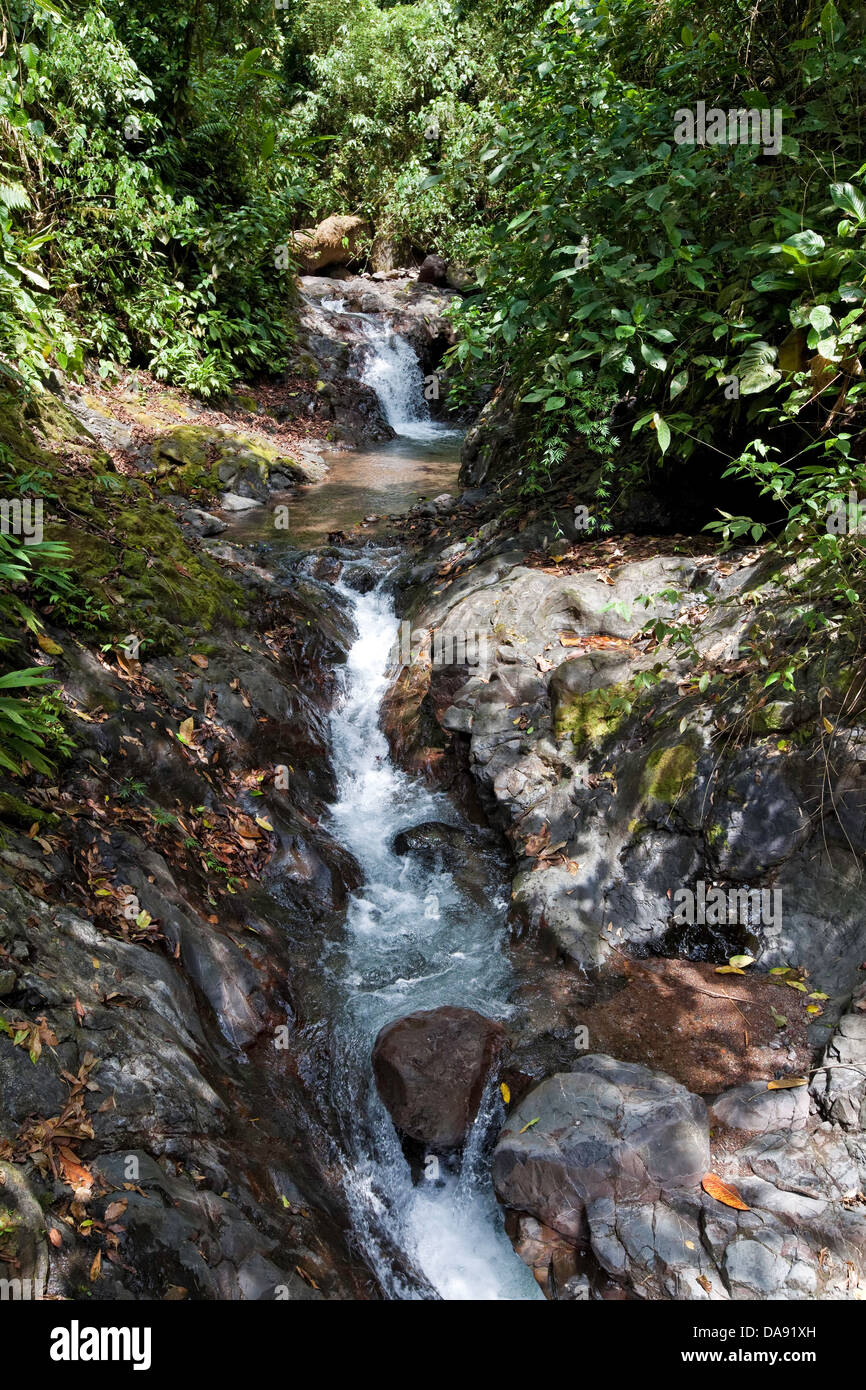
pixel 755 1110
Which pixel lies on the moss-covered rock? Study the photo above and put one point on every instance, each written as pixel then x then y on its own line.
pixel 591 716
pixel 668 773
pixel 130 567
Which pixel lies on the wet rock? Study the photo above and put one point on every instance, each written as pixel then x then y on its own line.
pixel 203 523
pixel 435 844
pixel 469 854
pixel 431 1068
pixel 232 502
pixel 605 1134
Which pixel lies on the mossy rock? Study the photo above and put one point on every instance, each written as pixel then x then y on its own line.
pixel 189 445
pixel 668 773
pixel 592 716
pixel 772 718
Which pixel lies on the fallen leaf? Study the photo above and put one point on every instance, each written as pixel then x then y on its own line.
pixel 741 961
pixel 722 1192
pixel 787 1082
pixel 115 1209
pixel 79 1178
pixel 55 1237
pixel 529 1125
pixel 704 1283
pixel 199 660
pixel 729 970
pixel 265 824
pixel 505 1092
pixel 49 647
pixel 96 1267
pixel 185 732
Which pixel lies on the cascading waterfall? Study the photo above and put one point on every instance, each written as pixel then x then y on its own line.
pixel 388 363
pixel 392 368
pixel 413 942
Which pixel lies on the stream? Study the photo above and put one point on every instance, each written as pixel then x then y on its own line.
pixel 413 940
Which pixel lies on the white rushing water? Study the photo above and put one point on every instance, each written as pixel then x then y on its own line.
pixel 391 367
pixel 414 941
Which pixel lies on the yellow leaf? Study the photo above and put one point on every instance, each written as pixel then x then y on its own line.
pixel 729 970
pixel 529 1125
pixel 265 824
pixel 506 1094
pixel 787 1082
pixel 741 961
pixel 827 725
pixel 51 648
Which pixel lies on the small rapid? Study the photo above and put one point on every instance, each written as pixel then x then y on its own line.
pixel 413 941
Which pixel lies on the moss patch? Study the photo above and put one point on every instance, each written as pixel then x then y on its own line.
pixel 131 569
pixel 667 774
pixel 592 716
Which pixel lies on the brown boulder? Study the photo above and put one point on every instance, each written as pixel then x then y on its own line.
pixel 433 271
pixel 430 1069
pixel 333 242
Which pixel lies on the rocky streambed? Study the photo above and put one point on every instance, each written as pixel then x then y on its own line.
pixel 369 944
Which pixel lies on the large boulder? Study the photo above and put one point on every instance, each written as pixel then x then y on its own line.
pixel 431 1068
pixel 605 1134
pixel 433 271
pixel 333 242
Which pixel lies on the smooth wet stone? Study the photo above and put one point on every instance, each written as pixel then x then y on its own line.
pixel 608 1131
pixel 232 502
pixel 431 1068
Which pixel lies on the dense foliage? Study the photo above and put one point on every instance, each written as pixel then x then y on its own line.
pixel 646 295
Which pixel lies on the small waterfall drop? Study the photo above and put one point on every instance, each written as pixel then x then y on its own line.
pixel 413 941
pixel 391 367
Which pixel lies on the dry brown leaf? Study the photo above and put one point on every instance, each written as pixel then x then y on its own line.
pixel 115 1209
pixel 199 660
pixel 722 1191
pixel 79 1178
pixel 96 1267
